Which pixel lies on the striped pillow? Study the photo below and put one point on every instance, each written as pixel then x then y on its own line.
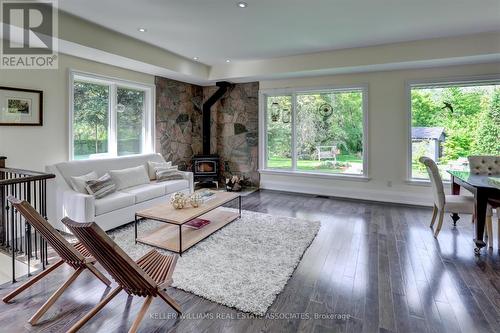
pixel 153 166
pixel 168 174
pixel 101 187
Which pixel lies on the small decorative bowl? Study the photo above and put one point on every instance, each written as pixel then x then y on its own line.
pixel 178 200
pixel 195 200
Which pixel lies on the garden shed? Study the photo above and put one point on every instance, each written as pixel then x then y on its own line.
pixel 428 140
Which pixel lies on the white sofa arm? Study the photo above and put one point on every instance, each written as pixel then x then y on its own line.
pixel 78 207
pixel 189 177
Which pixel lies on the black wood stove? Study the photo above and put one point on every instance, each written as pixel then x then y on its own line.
pixel 206 167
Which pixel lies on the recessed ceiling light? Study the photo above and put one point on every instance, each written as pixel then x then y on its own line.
pixel 142 29
pixel 227 60
pixel 242 4
pixel 195 58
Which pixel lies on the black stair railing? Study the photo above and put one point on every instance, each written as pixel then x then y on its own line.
pixel 16 236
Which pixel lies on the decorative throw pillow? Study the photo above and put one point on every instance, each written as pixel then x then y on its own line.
pixel 152 166
pixel 129 177
pixel 101 187
pixel 170 168
pixel 79 182
pixel 168 174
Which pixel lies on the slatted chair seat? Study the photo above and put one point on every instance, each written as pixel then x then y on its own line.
pixel 146 277
pixel 74 255
pixel 157 266
pixel 83 250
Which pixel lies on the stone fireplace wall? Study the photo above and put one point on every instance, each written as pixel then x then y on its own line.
pixel 234 129
pixel 178 116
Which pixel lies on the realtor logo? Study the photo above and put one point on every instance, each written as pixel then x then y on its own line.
pixel 29 39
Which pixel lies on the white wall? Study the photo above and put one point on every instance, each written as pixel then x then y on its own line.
pixel 388 135
pixel 33 147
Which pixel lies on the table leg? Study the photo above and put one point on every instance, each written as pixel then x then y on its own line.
pixel 135 229
pixel 455 190
pixel 180 240
pixel 481 207
pixel 239 205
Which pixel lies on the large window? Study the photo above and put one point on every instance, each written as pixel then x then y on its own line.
pixel 279 132
pixel 451 121
pixel 320 131
pixel 109 117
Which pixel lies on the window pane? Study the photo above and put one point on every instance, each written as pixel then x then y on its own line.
pixel 453 122
pixel 330 132
pixel 90 119
pixel 279 132
pixel 130 120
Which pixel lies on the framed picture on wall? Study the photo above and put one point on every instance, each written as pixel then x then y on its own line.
pixel 21 107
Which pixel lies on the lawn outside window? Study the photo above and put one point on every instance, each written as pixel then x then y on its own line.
pixel 315 131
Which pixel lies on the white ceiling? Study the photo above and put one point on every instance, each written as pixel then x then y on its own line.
pixel 215 30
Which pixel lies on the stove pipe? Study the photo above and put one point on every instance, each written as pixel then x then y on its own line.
pixel 223 87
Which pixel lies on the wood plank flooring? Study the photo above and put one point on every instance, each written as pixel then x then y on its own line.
pixel 372 268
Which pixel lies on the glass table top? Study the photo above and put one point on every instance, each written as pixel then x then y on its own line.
pixel 477 180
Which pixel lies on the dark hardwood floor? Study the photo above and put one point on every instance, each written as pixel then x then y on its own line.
pixel 372 268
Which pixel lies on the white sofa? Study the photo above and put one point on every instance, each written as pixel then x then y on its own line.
pixel 113 210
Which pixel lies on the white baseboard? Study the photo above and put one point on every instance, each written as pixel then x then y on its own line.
pixel 346 191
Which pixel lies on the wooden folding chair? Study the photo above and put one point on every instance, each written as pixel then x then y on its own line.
pixel 75 255
pixel 148 277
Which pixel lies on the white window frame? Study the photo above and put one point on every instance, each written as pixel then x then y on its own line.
pixel 293 92
pixel 148 126
pixel 436 83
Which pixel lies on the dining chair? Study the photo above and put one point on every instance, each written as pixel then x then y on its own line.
pixel 74 255
pixel 484 165
pixel 442 202
pixel 490 166
pixel 495 203
pixel 146 277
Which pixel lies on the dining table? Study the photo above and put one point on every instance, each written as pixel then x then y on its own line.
pixel 484 188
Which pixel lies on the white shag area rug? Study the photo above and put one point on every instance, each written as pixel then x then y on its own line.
pixel 245 265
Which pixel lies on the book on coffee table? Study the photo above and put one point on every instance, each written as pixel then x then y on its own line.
pixel 197 223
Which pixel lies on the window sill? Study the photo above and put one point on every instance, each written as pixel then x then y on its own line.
pixel 423 182
pixel 349 177
pixel 104 156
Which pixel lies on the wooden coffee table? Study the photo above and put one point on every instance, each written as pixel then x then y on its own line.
pixel 176 237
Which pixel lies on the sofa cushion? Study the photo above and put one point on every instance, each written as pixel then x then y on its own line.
pixel 145 192
pixel 175 185
pixel 113 202
pixel 129 177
